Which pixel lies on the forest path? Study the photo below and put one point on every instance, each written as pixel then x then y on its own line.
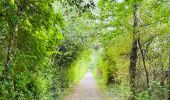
pixel 86 90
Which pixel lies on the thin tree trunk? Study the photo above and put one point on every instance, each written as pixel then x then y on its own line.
pixel 133 55
pixel 13 28
pixel 10 40
pixel 9 47
pixel 163 78
pixel 169 79
pixel 144 63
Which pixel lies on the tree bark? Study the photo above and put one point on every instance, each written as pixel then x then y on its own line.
pixel 13 29
pixel 10 37
pixel 134 49
pixel 9 50
pixel 169 79
pixel 164 76
pixel 144 63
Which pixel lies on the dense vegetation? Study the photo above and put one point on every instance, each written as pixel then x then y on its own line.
pixel 41 48
pixel 46 46
pixel 135 37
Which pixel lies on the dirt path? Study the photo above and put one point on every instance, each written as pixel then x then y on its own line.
pixel 86 90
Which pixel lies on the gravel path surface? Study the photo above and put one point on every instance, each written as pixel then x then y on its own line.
pixel 86 90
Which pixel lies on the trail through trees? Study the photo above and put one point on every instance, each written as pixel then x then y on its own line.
pixel 86 90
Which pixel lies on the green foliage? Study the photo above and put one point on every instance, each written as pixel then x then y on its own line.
pixel 144 96
pixel 157 92
pixel 31 32
pixel 115 32
pixel 68 53
pixel 46 46
pixel 119 92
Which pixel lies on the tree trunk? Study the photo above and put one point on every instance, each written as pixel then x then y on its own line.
pixel 163 78
pixel 134 49
pixel 13 29
pixel 9 47
pixel 169 79
pixel 10 43
pixel 144 63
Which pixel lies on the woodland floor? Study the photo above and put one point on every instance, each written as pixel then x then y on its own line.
pixel 86 90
